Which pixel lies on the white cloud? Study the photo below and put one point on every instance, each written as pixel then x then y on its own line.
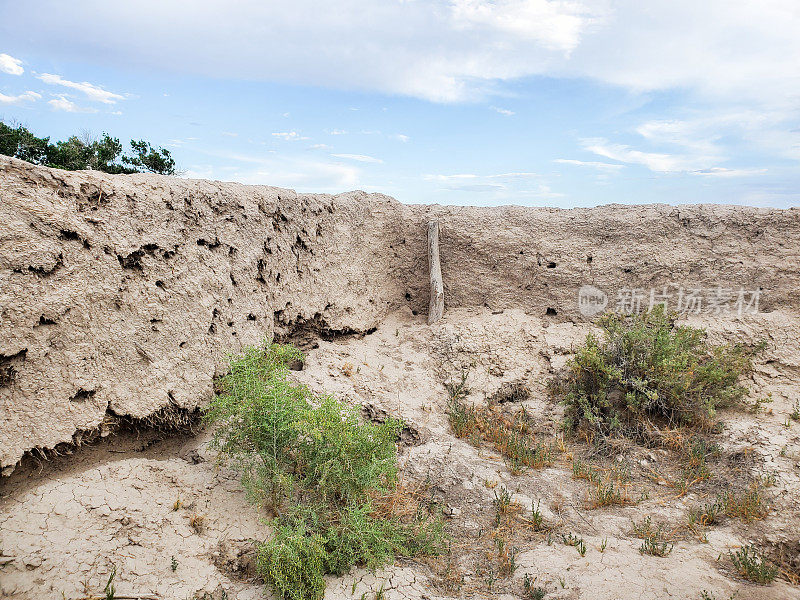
pixel 359 158
pixel 444 50
pixel 401 137
pixel 469 176
pixel 723 172
pixel 63 103
pixel 289 136
pixel 319 147
pixel 11 65
pixel 655 161
pixel 602 166
pixel 28 96
pixel 503 111
pixel 336 132
pixel 93 92
pixel 502 186
pixel 296 172
pixel 230 134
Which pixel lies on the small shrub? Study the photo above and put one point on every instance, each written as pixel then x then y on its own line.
pixel 331 477
pixel 795 414
pixel 506 557
pixel 654 539
pixel 647 371
pixel 536 516
pixel 502 504
pixel 605 493
pixel 109 590
pixel 532 591
pixel 753 566
pixel 707 514
pixel 654 547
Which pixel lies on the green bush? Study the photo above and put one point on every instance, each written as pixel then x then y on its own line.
pixel 329 476
pixel 647 372
pixel 752 565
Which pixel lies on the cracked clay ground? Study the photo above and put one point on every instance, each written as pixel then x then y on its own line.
pixel 176 524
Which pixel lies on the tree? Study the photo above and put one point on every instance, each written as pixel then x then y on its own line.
pixel 71 155
pixel 77 153
pixel 150 159
pixel 21 143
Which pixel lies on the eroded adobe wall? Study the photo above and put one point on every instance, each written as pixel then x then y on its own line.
pixel 122 294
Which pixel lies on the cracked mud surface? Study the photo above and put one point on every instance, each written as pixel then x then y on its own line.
pixel 129 501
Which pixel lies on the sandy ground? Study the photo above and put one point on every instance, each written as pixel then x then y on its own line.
pixel 175 523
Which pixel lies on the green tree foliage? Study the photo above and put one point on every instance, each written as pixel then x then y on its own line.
pixel 77 153
pixel 147 158
pixel 330 477
pixel 647 372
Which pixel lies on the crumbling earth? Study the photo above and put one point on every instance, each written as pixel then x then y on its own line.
pixel 175 523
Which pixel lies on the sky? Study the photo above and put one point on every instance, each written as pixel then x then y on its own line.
pixel 531 102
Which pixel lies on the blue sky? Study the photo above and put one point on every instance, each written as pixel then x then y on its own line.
pixel 533 102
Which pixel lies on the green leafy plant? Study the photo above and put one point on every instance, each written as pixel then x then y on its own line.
pixel 646 372
pixel 654 539
pixel 330 477
pixel 753 566
pixel 109 590
pixel 532 591
pixel 536 516
pixel 795 414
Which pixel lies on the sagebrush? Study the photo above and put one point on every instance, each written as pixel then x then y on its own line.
pixel 646 373
pixel 329 477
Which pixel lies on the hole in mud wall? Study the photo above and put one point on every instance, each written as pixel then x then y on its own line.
pixel 551 265
pixel 551 312
pixel 82 395
pixel 46 321
pixel 8 367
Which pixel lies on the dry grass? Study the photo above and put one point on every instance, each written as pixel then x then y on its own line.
pixel 509 432
pixel 197 522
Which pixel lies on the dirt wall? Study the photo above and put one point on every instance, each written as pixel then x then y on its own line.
pixel 120 295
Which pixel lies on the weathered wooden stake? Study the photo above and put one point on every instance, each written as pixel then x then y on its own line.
pixel 436 308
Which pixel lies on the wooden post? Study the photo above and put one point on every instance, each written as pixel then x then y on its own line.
pixel 436 308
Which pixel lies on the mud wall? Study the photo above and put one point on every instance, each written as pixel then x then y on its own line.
pixel 120 295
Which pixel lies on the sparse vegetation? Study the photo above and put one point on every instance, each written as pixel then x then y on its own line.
pixel 330 478
pixel 532 591
pixel 537 519
pixel 647 373
pixel 510 433
pixel 748 505
pixel 795 414
pixel 753 566
pixel 607 485
pixel 655 540
pixel 197 522
pixel 109 590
